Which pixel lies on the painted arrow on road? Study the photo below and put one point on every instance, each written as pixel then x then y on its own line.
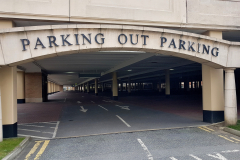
pixel 79 102
pixel 124 107
pixel 83 110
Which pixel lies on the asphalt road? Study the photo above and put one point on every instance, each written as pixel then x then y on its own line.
pixel 111 130
pixel 176 144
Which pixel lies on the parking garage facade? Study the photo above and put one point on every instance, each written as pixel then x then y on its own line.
pixel 156 65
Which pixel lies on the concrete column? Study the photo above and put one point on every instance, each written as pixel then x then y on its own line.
pixel 102 87
pixel 88 87
pixel 49 87
pixel 52 88
pixel 35 87
pixel 20 87
pixel 160 87
pixel 230 113
pixel 114 86
pixel 213 96
pixel 8 85
pixel 84 88
pixel 129 85
pixel 96 86
pixel 61 88
pixel 167 83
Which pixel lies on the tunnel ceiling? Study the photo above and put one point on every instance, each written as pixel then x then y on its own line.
pixel 64 70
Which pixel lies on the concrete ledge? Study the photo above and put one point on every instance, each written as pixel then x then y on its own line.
pixel 12 155
pixel 232 131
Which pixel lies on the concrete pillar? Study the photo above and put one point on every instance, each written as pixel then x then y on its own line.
pixel 129 85
pixel 167 83
pixel 96 86
pixel 20 87
pixel 160 85
pixel 35 87
pixel 84 88
pixel 8 85
pixel 114 86
pixel 213 96
pixel 230 113
pixel 52 88
pixel 88 87
pixel 61 88
pixel 102 87
pixel 49 87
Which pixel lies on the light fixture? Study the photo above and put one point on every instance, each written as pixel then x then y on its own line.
pixel 171 69
pixel 70 72
pixel 129 70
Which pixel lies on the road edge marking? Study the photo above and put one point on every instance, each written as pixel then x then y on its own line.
pixel 123 121
pixel 44 146
pixel 55 131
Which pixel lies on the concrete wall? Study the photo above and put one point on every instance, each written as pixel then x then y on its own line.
pixel 215 14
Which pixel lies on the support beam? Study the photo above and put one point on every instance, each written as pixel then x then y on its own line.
pixel 136 59
pixel 96 87
pixel 114 86
pixel 230 113
pixel 20 87
pixel 167 83
pixel 8 85
pixel 129 85
pixel 88 87
pixel 213 95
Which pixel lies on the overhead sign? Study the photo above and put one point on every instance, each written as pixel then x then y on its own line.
pixel 178 44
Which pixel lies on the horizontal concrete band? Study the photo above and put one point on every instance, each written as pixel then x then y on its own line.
pixel 20 101
pixel 214 52
pixel 10 130
pixel 213 116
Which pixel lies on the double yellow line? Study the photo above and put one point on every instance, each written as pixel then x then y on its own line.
pixel 35 147
pixel 231 139
pixel 206 129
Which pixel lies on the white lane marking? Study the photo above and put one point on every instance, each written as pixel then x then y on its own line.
pixel 24 135
pixel 123 107
pixel 83 110
pixel 145 149
pixel 217 156
pixel 79 102
pixel 28 130
pixel 107 101
pixel 48 132
pixel 30 125
pixel 230 151
pixel 52 127
pixel 47 122
pixel 195 157
pixel 55 131
pixel 103 107
pixel 172 158
pixel 123 121
pixel 92 102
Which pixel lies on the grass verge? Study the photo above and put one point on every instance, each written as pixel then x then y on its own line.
pixel 236 127
pixel 8 145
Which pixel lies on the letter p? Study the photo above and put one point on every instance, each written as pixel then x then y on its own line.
pixel 25 42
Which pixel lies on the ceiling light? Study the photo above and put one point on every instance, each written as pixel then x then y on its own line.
pixel 70 72
pixel 171 69
pixel 129 70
